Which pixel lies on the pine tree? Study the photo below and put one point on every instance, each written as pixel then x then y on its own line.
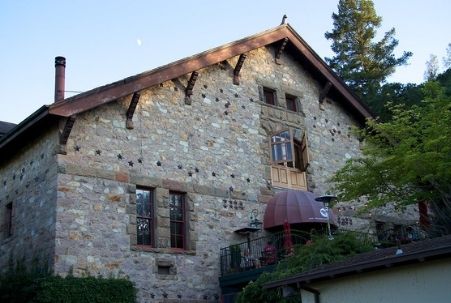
pixel 363 63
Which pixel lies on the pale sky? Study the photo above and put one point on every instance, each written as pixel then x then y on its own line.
pixel 105 41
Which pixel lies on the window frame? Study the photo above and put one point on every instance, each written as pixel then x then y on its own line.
pixel 150 219
pixel 294 99
pixel 273 92
pixel 183 222
pixel 285 142
pixel 299 150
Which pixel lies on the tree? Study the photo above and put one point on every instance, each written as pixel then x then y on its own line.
pixel 405 160
pixel 447 58
pixel 363 63
pixel 391 94
pixel 432 67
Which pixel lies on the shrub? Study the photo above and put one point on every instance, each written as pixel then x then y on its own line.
pixel 27 287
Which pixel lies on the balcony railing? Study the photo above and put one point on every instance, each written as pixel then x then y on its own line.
pixel 255 254
pixel 258 253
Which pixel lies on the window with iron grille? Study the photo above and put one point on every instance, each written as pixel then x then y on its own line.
pixel 145 216
pixel 178 220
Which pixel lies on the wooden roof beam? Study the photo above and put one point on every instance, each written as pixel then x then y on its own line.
pixel 280 50
pixel 323 93
pixel 65 133
pixel 131 111
pixel 190 86
pixel 238 66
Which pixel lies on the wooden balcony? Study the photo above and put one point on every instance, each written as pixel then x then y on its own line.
pixel 287 177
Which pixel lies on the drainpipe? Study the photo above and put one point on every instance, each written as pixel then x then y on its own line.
pixel 60 69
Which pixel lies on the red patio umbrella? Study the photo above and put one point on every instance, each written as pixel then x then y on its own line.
pixel 295 207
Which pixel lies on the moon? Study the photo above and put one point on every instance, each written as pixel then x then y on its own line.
pixel 139 42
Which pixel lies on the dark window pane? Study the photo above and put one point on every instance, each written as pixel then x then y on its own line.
pixel 177 217
pixel 144 216
pixel 176 207
pixel 143 203
pixel 177 241
pixel 143 227
pixel 177 228
pixel 291 103
pixel 270 96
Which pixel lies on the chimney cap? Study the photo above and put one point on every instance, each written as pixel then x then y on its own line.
pixel 60 61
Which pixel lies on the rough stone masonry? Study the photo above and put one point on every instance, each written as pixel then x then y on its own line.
pixel 79 209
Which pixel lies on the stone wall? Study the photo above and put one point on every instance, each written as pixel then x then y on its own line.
pixel 215 150
pixel 28 181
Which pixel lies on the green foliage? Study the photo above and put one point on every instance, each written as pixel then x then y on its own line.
pixel 38 288
pixel 391 94
pixel 394 94
pixel 363 63
pixel 405 160
pixel 321 251
pixel 445 81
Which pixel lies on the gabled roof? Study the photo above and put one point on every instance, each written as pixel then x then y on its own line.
pixel 111 92
pixel 127 86
pixel 415 252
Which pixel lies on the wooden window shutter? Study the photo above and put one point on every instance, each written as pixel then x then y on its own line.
pixel 261 94
pixel 298 105
pixel 305 153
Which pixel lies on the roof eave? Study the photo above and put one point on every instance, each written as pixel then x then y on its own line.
pixel 372 265
pixel 127 86
pixel 23 126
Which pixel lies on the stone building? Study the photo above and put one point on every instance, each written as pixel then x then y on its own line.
pixel 148 177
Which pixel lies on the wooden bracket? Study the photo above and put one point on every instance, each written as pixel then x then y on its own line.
pixel 324 92
pixel 131 111
pixel 280 50
pixel 236 71
pixel 64 134
pixel 189 87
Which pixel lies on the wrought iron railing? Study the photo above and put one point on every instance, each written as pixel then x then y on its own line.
pixel 259 252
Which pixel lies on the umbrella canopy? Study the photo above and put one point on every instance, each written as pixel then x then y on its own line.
pixel 295 207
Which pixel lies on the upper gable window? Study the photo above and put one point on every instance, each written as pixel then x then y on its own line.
pixel 269 96
pixel 145 216
pixel 291 102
